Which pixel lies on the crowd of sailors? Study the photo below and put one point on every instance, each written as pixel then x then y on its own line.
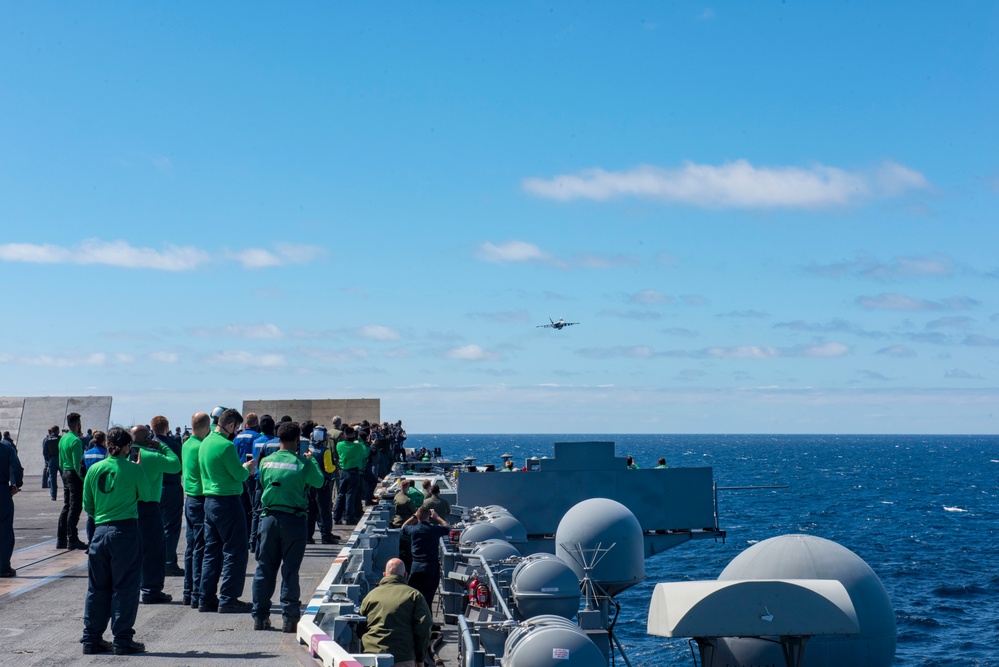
pixel 252 484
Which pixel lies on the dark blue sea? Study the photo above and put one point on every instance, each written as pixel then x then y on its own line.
pixel 921 510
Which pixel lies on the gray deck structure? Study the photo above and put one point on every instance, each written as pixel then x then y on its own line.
pixel 29 418
pixel 319 410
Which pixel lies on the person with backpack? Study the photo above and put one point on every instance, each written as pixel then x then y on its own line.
pixel 321 498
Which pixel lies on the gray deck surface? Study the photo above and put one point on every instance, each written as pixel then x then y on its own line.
pixel 42 626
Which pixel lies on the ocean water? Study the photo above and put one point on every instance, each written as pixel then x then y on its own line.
pixel 920 510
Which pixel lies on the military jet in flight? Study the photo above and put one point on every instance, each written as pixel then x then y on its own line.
pixel 556 325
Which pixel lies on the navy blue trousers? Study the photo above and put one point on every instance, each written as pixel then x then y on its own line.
pixel 225 550
pixel 52 469
pixel 280 545
pixel 113 582
pixel 194 512
pixel 348 496
pixel 172 507
pixel 6 527
pixel 321 509
pixel 255 521
pixel 425 578
pixel 151 533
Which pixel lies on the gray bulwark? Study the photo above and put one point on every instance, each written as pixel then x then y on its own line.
pixel 29 425
pixel 671 499
pixel 319 410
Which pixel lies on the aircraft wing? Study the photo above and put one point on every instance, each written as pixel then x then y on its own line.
pixel 545 326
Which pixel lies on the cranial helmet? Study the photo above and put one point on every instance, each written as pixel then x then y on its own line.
pixel 216 413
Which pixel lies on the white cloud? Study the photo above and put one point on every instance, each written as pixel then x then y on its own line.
pixel 522 252
pixel 245 358
pixel 897 351
pixel 743 352
pixel 283 254
pixel 822 350
pixel 164 357
pixel 898 268
pixel 958 374
pixel 66 361
pixel 736 184
pixel 512 252
pixel 335 356
pixel 377 332
pixel 264 330
pixel 472 353
pixel 650 296
pixel 107 253
pixel 893 301
pixel 172 257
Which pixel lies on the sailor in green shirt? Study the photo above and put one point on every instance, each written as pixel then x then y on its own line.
pixel 222 477
pixel 194 507
pixel 352 453
pixel 70 464
pixel 662 464
pixel 155 458
pixel 111 493
pixel 284 477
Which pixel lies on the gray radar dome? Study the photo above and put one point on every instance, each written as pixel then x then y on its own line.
pixel 480 532
pixel 810 557
pixel 544 584
pixel 495 550
pixel 551 641
pixel 513 530
pixel 603 522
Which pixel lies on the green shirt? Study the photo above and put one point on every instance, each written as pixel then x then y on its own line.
pixel 284 476
pixel 416 496
pixel 191 467
pixel 112 489
pixel 222 473
pixel 156 459
pixel 70 452
pixel 352 454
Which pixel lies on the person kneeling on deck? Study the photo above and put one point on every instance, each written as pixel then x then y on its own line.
pixel 398 620
pixel 284 478
pixel 111 494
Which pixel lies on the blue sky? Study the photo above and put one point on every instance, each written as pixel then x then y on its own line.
pixel 767 217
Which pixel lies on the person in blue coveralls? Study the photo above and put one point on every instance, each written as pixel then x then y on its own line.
pixel 97 452
pixel 266 443
pixel 244 448
pixel 222 477
pixel 11 481
pixel 285 476
pixel 111 494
